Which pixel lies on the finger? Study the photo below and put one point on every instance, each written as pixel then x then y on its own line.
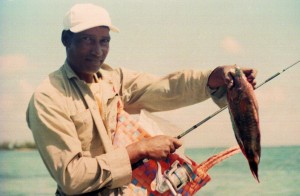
pixel 250 75
pixel 177 143
pixel 166 154
pixel 250 79
pixel 247 71
pixel 254 73
pixel 172 149
pixel 253 83
pixel 250 72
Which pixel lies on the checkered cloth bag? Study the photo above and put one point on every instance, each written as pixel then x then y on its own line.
pixel 129 131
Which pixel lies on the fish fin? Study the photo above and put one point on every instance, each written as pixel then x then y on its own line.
pixel 241 144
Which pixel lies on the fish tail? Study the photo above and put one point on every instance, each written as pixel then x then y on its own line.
pixel 254 169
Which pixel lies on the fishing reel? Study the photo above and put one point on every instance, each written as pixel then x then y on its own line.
pixel 173 179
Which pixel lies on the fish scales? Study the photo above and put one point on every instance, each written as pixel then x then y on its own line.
pixel 243 109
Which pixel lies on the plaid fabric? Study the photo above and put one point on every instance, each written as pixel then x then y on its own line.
pixel 129 131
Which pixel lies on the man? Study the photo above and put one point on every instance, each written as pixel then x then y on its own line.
pixel 73 112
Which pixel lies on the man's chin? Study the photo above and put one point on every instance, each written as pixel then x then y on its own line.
pixel 93 68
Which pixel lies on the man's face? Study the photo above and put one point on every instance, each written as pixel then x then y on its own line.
pixel 88 49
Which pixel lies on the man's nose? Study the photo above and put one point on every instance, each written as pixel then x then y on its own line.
pixel 97 50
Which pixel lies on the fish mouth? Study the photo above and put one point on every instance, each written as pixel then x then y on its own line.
pixel 232 86
pixel 232 82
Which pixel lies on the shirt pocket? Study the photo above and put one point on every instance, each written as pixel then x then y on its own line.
pixel 83 122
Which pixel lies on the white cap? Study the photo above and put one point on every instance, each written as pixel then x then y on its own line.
pixel 85 16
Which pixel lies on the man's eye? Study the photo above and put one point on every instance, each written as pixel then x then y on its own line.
pixel 104 42
pixel 87 39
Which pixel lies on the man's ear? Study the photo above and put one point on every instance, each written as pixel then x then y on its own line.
pixel 66 37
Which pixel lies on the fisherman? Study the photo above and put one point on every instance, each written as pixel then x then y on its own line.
pixel 72 114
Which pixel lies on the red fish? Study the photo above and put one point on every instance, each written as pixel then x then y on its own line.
pixel 243 109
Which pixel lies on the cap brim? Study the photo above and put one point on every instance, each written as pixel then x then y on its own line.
pixel 114 29
pixel 83 27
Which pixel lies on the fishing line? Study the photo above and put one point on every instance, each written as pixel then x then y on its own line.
pixel 220 110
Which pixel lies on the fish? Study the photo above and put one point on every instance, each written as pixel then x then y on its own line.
pixel 243 110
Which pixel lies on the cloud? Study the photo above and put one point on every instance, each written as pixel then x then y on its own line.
pixel 231 45
pixel 6 102
pixel 15 91
pixel 25 86
pixel 15 100
pixel 14 70
pixel 12 63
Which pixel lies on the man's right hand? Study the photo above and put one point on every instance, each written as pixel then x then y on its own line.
pixel 157 147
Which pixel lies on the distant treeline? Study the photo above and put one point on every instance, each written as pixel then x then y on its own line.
pixel 17 145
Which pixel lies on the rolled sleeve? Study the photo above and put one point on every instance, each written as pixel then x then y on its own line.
pixel 118 164
pixel 173 91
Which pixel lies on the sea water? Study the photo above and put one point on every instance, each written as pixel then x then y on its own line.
pixel 279 173
pixel 23 173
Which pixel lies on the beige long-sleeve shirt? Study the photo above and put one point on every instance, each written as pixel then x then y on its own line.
pixel 75 142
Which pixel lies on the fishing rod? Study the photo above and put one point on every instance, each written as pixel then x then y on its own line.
pixel 141 162
pixel 223 108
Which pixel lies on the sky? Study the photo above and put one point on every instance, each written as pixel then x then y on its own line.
pixel 160 37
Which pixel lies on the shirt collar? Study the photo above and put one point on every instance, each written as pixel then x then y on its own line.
pixel 69 71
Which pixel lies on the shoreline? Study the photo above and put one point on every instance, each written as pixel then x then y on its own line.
pixel 21 146
pixel 191 148
pixel 18 149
